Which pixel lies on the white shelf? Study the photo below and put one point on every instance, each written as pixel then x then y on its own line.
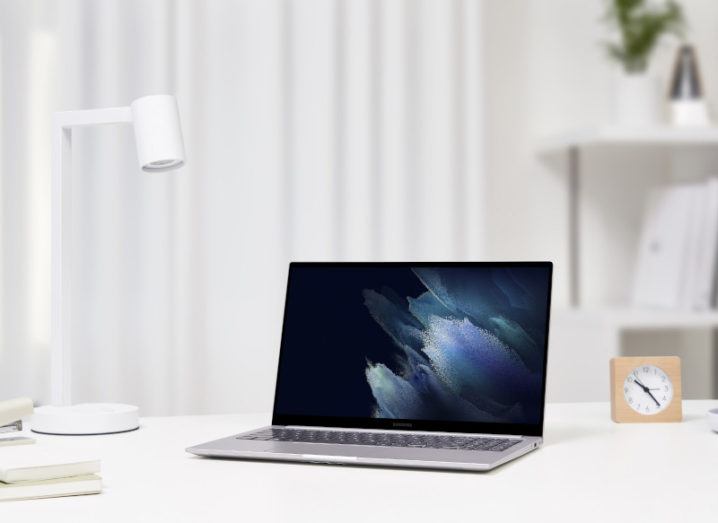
pixel 640 319
pixel 657 136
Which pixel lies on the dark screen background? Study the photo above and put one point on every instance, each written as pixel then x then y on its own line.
pixel 330 338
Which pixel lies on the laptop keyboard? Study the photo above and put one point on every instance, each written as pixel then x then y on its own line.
pixel 383 439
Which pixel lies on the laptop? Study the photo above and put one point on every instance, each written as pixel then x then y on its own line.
pixel 420 365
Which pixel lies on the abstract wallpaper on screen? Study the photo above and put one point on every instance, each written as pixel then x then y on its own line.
pixel 469 348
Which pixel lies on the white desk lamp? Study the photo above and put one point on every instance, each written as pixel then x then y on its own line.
pixel 158 137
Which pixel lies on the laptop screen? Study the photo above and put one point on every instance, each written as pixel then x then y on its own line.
pixel 457 347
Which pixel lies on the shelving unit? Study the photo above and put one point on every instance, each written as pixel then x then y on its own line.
pixel 642 319
pixel 589 337
pixel 659 136
pixel 573 143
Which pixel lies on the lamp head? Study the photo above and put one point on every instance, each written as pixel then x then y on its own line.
pixel 158 134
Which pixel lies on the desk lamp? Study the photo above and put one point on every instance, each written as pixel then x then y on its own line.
pixel 158 138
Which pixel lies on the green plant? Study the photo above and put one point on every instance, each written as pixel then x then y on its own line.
pixel 641 24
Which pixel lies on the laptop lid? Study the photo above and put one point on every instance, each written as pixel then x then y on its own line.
pixel 453 347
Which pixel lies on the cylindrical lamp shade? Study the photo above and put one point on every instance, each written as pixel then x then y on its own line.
pixel 158 134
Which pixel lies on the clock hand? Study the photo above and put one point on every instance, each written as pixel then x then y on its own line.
pixel 635 380
pixel 641 385
pixel 652 397
pixel 645 389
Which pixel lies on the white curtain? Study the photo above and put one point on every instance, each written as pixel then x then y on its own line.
pixel 314 129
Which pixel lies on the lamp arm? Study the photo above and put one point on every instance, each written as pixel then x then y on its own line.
pixel 60 342
pixel 83 118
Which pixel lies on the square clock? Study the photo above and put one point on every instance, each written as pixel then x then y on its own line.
pixel 646 389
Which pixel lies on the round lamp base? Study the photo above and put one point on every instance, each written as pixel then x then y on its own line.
pixel 85 419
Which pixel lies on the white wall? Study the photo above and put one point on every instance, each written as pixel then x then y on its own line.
pixel 547 73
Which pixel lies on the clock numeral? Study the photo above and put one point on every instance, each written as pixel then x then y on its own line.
pixel 630 399
pixel 666 387
pixel 665 399
pixel 625 389
pixel 645 369
pixel 663 378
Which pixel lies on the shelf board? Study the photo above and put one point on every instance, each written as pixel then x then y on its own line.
pixel 641 319
pixel 655 136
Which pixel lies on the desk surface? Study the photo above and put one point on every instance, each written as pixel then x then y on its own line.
pixel 589 469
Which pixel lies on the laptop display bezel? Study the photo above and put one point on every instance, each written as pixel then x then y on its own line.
pixel 414 424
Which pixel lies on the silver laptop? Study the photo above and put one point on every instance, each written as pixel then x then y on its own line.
pixel 423 365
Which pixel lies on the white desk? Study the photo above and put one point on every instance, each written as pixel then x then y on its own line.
pixel 590 469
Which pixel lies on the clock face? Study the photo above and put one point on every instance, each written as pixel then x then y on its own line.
pixel 648 390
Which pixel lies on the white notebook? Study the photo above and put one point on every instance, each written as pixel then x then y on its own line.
pixel 51 488
pixel 36 463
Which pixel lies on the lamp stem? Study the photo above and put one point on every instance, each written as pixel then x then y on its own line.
pixel 61 361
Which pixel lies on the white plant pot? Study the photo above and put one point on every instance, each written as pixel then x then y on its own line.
pixel 638 100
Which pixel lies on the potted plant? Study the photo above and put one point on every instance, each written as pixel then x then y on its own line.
pixel 640 24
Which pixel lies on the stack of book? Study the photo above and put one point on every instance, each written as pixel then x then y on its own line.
pixel 678 250
pixel 30 472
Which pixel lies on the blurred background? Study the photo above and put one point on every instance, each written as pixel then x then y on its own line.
pixel 355 130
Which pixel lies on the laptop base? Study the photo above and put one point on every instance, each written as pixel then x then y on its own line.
pixel 420 458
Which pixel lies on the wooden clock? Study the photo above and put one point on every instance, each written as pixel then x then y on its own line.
pixel 646 389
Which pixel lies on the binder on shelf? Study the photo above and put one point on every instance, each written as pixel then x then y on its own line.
pixel 691 277
pixel 677 259
pixel 662 257
pixel 707 264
